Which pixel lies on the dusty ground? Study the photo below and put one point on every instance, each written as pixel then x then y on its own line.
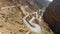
pixel 11 19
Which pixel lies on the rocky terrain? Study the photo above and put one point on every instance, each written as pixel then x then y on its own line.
pixel 12 13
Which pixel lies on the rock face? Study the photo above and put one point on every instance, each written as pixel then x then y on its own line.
pixel 12 13
pixel 52 16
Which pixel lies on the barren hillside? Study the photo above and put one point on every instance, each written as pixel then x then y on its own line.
pixel 12 13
